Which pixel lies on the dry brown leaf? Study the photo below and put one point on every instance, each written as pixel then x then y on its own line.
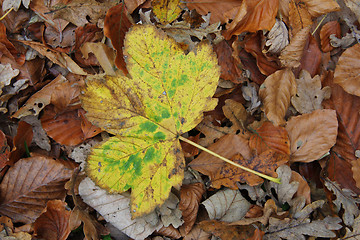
pixel 356 171
pixel 5 150
pixel 53 223
pixel 170 232
pixel 309 94
pixel 347 70
pixel 197 234
pixel 24 136
pixel 220 10
pixel 354 6
pixel 226 231
pixel 190 196
pixel 329 28
pixel 133 4
pixel 299 17
pixel 29 184
pixel 269 136
pixel 275 93
pixel 312 135
pixel 312 57
pixel 116 24
pixel 278 38
pixel 236 113
pixel 319 7
pixel 259 15
pixel 59 58
pixel 303 189
pixel 290 56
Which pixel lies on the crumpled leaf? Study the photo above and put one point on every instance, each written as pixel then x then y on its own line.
pixel 347 70
pixel 329 28
pixel 290 56
pixel 278 37
pixel 249 93
pixel 295 229
pixel 345 198
pixel 312 135
pixel 275 93
pixel 53 223
pixel 115 209
pixel 309 94
pixel 29 184
pixel 7 73
pixel 190 196
pixel 355 233
pixel 147 113
pixel 170 213
pixel 166 10
pixel 226 205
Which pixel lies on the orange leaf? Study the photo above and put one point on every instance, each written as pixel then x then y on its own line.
pixel 84 34
pixel 329 28
pixel 5 150
pixel 319 7
pixel 312 56
pixel 197 234
pixel 312 135
pixel 29 185
pixel 23 136
pixel 269 136
pixel 116 25
pixel 299 16
pixel 276 92
pixel 347 70
pixel 53 223
pixel 259 15
pixel 190 196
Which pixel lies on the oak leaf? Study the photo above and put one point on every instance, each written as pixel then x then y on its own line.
pixel 347 70
pixel 147 114
pixel 276 92
pixel 312 135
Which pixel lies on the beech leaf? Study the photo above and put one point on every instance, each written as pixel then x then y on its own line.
pixel 166 10
pixel 148 113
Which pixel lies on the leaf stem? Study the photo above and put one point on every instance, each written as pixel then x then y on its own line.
pixel 276 180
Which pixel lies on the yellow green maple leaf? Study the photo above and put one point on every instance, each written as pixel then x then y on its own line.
pixel 166 95
pixel 166 10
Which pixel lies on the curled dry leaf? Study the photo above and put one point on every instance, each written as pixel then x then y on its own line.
pixel 278 37
pixel 312 135
pixel 249 93
pixel 290 56
pixel 29 184
pixel 53 223
pixel 226 205
pixel 329 28
pixel 269 136
pixel 309 94
pixel 319 7
pixel 254 16
pixel 276 92
pixel 190 196
pixel 347 70
pixel 115 209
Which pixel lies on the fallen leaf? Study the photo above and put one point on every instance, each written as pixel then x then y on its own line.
pixel 53 223
pixel 259 15
pixel 225 231
pixel 226 205
pixel 329 28
pixel 275 93
pixel 235 111
pixel 312 57
pixel 299 17
pixel 4 150
pixel 197 234
pixel 354 6
pixel 303 188
pixel 7 73
pixel 166 10
pixel 309 94
pixel 23 139
pixel 355 167
pixel 277 38
pixel 167 107
pixel 190 196
pixel 346 72
pixel 269 136
pixel 249 92
pixel 319 7
pixel 7 4
pixel 133 4
pixel 355 232
pixel 346 199
pixel 116 24
pixel 290 56
pixel 170 232
pixel 115 209
pixel 29 185
pixel 170 213
pixel 312 135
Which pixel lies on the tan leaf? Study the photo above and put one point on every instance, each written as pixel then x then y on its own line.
pixel 319 7
pixel 278 37
pixel 259 15
pixel 197 234
pixel 347 70
pixel 226 231
pixel 299 17
pixel 269 136
pixel 190 196
pixel 356 171
pixel 236 113
pixel 303 189
pixel 226 205
pixel 170 232
pixel 354 6
pixel 29 185
pixel 290 56
pixel 7 73
pixel 276 92
pixel 312 135
pixel 53 223
pixel 133 4
pixel 309 94
pixel 329 28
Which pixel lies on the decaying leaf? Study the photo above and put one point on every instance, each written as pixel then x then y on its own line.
pixel 346 199
pixel 319 7
pixel 197 234
pixel 147 113
pixel 347 70
pixel 277 38
pixel 225 231
pixel 7 4
pixel 53 223
pixel 355 233
pixel 326 31
pixel 355 167
pixel 299 17
pixel 7 73
pixel 115 209
pixel 226 205
pixel 276 92
pixel 5 150
pixel 29 184
pixel 170 213
pixel 309 94
pixel 166 10
pixel 312 135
